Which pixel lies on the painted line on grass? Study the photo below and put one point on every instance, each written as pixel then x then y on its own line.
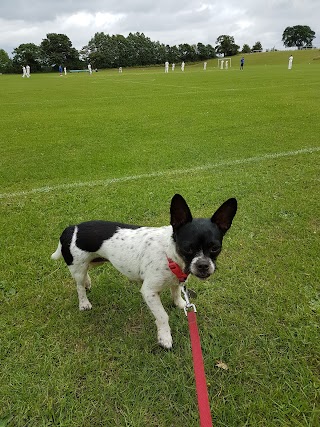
pixel 106 182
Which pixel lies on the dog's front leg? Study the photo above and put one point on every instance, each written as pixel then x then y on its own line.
pixel 176 296
pixel 152 298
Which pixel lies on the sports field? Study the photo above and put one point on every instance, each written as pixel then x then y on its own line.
pixel 117 147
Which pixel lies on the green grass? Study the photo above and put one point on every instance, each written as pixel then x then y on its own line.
pixel 260 312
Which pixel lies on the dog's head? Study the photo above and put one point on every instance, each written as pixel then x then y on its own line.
pixel 199 240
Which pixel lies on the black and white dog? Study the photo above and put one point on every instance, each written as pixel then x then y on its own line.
pixel 146 254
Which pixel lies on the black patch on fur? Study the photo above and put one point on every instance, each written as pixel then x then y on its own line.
pixel 98 260
pixel 65 241
pixel 92 234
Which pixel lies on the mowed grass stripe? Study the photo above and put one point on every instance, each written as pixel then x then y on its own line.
pixel 159 173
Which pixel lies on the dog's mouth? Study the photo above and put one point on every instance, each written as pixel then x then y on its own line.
pixel 202 276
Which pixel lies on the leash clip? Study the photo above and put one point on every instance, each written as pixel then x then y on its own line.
pixel 189 305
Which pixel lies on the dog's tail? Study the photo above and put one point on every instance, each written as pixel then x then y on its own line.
pixel 57 254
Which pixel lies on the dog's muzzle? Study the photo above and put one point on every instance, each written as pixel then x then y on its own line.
pixel 202 267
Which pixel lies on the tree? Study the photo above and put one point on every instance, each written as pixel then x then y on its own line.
pixel 246 48
pixel 202 51
pixel 142 49
pixel 5 62
pixel 187 52
pixel 97 50
pixel 27 54
pixel 211 51
pixel 121 47
pixel 257 47
pixel 110 51
pixel 226 45
pixel 104 51
pixel 299 36
pixel 57 49
pixel 171 54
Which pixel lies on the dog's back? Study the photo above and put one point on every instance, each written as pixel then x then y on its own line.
pixel 87 236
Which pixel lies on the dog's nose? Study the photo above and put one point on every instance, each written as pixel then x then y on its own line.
pixel 203 266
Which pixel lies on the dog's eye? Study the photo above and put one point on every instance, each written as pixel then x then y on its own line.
pixel 188 250
pixel 215 250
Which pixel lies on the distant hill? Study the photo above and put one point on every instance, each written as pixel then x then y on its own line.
pixel 280 57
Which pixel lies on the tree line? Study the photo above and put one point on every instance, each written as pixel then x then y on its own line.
pixel 112 51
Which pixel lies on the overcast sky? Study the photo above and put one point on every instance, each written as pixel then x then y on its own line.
pixel 167 21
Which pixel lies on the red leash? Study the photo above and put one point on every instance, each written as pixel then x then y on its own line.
pixel 198 365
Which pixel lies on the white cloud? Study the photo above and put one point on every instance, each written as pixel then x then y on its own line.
pixel 99 20
pixel 181 21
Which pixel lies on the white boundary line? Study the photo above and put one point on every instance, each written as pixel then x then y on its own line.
pixel 106 182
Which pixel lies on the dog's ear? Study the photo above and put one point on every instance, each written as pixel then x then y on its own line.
pixel 179 212
pixel 224 215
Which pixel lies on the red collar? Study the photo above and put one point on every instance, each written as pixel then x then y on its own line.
pixel 176 270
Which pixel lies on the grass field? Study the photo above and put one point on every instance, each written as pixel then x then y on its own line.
pixel 118 147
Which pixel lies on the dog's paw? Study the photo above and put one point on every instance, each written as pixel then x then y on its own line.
pixel 85 305
pixel 165 341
